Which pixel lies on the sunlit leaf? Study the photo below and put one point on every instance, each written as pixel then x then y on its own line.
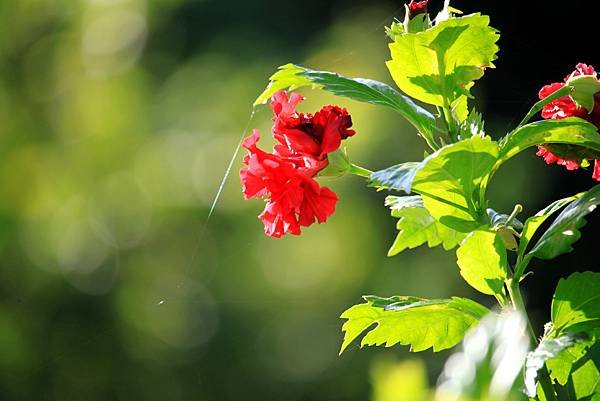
pixel 576 302
pixel 583 382
pixel 561 365
pixel 440 64
pixel 292 77
pixel 450 182
pixel 483 262
pixel 564 231
pixel 417 227
pixel 417 322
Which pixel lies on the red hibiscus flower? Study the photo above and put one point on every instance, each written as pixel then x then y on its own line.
pixel 569 156
pixel 285 177
pixel 307 135
pixel 417 7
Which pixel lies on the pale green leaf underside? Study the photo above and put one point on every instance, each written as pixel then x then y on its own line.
pixel 292 77
pixel 483 262
pixel 564 231
pixel 399 177
pixel 576 301
pixel 442 62
pixel 417 322
pixel 417 227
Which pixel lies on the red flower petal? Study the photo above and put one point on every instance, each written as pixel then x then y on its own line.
pixel 596 174
pixel 305 134
pixel 293 199
pixel 417 7
pixel 318 203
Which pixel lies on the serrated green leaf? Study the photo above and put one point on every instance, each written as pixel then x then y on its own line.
pixel 483 262
pixel 440 64
pixel 418 227
pixel 534 222
pixel 292 77
pixel 564 231
pixel 417 322
pixel 450 180
pixel 287 77
pixel 546 350
pixel 576 301
pixel 573 130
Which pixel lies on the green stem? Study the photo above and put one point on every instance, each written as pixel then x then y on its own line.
pixel 450 122
pixel 514 291
pixel 360 171
pixel 565 90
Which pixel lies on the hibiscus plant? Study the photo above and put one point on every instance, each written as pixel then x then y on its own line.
pixel 441 201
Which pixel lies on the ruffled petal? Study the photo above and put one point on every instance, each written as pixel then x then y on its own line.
pixel 596 174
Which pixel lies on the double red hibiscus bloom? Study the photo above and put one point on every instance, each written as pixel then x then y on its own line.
pixel 569 156
pixel 285 177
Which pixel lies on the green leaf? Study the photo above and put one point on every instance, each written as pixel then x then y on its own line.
pixel 534 222
pixel 417 226
pixel 450 182
pixel 483 262
pixel 584 89
pixel 584 379
pixel 292 77
pixel 338 164
pixel 398 177
pixel 576 302
pixel 440 64
pixel 573 130
pixel 561 365
pixel 288 77
pixel 564 231
pixel 417 322
pixel 547 349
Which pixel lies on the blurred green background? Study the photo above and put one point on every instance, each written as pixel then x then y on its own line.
pixel 118 119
